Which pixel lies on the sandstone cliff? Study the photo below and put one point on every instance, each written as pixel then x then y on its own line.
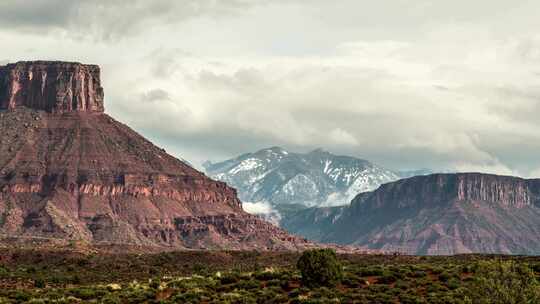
pixel 69 171
pixel 438 214
pixel 51 86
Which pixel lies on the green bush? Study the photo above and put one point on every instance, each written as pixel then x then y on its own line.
pixel 508 282
pixel 21 296
pixel 320 267
pixel 39 283
pixel 536 267
pixel 387 278
pixel 371 271
pixel 453 283
pixel 85 293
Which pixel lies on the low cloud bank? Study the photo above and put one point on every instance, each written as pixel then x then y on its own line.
pixel 263 209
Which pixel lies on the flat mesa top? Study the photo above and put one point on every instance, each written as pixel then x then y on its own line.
pixel 47 63
pixel 53 86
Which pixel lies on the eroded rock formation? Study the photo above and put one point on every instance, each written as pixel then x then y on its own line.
pixel 436 214
pixel 69 171
pixel 55 87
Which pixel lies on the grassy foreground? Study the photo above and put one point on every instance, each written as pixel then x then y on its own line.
pixel 49 276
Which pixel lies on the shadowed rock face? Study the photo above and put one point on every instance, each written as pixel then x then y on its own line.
pixel 438 189
pixel 55 87
pixel 437 214
pixel 69 171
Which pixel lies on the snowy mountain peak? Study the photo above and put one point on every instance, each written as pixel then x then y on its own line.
pixel 319 151
pixel 317 178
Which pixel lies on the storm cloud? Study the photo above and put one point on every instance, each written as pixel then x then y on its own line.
pixel 108 19
pixel 437 84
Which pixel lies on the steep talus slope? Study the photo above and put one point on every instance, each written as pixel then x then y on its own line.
pixel 67 170
pixel 441 214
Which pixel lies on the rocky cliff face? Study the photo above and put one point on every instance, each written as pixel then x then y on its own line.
pixel 439 214
pixel 69 171
pixel 55 87
pixel 438 189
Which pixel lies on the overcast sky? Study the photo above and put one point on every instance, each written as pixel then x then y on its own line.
pixel 407 84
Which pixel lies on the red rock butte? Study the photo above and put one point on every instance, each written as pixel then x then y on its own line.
pixel 69 171
pixel 53 86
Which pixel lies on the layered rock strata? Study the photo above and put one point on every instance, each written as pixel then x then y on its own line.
pixel 70 171
pixel 52 86
pixel 435 214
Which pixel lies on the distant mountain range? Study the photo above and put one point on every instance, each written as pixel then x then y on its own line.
pixel 345 200
pixel 288 181
pixel 434 214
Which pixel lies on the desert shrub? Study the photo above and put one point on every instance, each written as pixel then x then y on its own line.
pixel 154 283
pixel 111 299
pixel 39 283
pixel 140 296
pixel 3 271
pixel 249 284
pixel 401 284
pixel 351 280
pixel 437 270
pixel 387 278
pixel 410 299
pixel 381 298
pixel 467 269
pixel 76 280
pixel 418 274
pixel 435 287
pixel 86 293
pixel 445 276
pixel 265 275
pixel 378 288
pixel 201 269
pixel 20 296
pixel 294 293
pixel 56 279
pixel 274 282
pixel 508 282
pixel 370 271
pixel 230 278
pixel 453 283
pixel 320 267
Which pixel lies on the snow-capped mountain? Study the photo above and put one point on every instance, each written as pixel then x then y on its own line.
pixel 284 179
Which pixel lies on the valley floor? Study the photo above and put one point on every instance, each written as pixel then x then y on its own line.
pixel 85 275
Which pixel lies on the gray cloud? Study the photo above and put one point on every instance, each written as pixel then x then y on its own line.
pixel 155 95
pixel 108 19
pixel 451 85
pixel 165 62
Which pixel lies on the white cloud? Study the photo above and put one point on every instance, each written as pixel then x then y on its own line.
pixel 427 89
pixel 340 136
pixel 263 209
pixel 257 207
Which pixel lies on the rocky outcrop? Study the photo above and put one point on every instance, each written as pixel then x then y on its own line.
pixel 438 214
pixel 55 87
pixel 69 171
pixel 438 189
